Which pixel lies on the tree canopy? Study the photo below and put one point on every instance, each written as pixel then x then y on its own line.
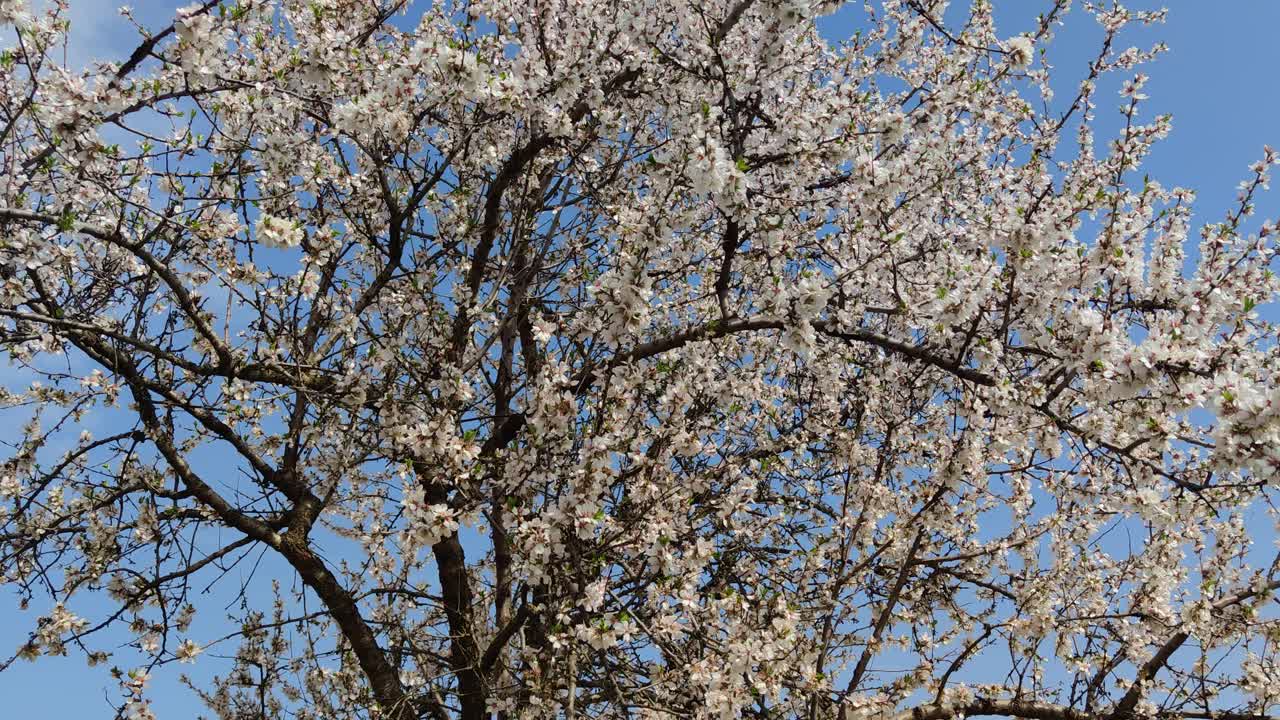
pixel 568 358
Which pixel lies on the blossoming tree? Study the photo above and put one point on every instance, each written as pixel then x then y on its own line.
pixel 629 360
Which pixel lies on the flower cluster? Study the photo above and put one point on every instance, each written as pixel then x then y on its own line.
pixel 276 232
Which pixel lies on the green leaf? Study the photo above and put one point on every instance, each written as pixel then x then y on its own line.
pixel 742 164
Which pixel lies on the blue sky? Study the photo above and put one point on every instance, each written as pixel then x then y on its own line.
pixel 1218 80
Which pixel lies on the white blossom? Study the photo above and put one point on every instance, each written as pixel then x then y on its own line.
pixel 275 232
pixel 1021 51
